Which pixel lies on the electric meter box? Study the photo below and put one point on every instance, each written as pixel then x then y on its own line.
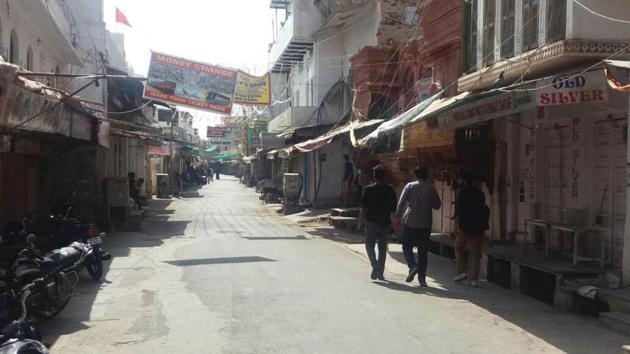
pixel 291 185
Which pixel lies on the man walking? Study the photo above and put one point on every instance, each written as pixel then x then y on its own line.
pixel 377 208
pixel 473 216
pixel 416 205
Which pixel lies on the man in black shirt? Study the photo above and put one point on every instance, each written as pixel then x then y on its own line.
pixel 378 205
pixel 472 215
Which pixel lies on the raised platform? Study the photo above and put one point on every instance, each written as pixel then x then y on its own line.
pixel 553 280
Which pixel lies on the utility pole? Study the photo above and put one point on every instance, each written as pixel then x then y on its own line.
pixel 171 170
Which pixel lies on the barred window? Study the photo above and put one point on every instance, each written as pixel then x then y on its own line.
pixel 530 24
pixel 489 12
pixel 507 28
pixel 556 20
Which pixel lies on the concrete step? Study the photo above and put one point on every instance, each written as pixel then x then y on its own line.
pixel 616 321
pixel 349 212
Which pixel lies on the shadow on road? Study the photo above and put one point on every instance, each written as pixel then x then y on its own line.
pixel 220 260
pixel 560 328
pixel 333 234
pixel 157 227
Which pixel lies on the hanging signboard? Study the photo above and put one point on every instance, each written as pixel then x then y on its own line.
pixel 588 87
pixel 487 109
pixel 189 83
pixel 217 132
pixel 253 90
pixel 161 150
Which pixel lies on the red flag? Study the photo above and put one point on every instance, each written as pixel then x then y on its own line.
pixel 121 18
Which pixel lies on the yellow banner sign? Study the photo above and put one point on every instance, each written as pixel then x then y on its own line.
pixel 252 89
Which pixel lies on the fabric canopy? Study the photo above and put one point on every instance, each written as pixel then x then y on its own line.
pixel 397 123
pixel 225 157
pixel 612 80
pixel 213 148
pixel 314 144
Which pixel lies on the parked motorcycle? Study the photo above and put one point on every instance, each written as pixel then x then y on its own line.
pixel 59 267
pixel 69 229
pixel 19 337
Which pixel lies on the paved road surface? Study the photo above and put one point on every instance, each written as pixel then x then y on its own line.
pixel 220 273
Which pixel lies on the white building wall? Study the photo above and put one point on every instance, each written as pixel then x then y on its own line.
pixel 45 56
pixel 91 39
pixel 585 25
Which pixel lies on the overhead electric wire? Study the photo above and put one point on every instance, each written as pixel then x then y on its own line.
pixel 601 15
pixel 471 70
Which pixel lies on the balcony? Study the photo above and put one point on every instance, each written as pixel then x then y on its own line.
pixel 295 37
pixel 293 117
pixel 543 61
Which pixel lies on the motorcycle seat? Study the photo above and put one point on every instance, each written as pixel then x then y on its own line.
pixel 60 257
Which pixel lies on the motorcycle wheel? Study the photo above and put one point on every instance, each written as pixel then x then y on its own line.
pixel 49 308
pixel 94 266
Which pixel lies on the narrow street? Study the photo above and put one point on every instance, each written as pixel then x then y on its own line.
pixel 220 274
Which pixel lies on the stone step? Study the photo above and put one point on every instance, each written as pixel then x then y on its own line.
pixel 349 212
pixel 616 321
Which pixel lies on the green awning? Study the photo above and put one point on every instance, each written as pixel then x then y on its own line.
pixel 213 148
pixel 225 157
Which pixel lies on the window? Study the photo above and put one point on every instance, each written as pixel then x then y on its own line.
pixel 507 28
pixel 29 59
pixel 470 35
pixel 530 24
pixel 411 15
pixel 489 11
pixel 556 20
pixel 14 53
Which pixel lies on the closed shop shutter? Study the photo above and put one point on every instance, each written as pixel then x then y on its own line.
pixel 556 153
pixel 609 193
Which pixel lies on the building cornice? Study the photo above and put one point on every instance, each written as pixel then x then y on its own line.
pixel 544 60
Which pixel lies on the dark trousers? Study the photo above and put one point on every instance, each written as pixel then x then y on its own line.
pixel 413 237
pixel 376 234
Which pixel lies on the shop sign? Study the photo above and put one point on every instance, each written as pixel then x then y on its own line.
pixel 575 162
pixel 589 87
pixel 217 132
pixel 253 90
pixel 490 108
pixel 530 170
pixel 161 150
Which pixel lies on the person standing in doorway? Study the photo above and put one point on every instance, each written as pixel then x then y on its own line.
pixel 378 205
pixel 473 216
pixel 417 202
pixel 346 183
